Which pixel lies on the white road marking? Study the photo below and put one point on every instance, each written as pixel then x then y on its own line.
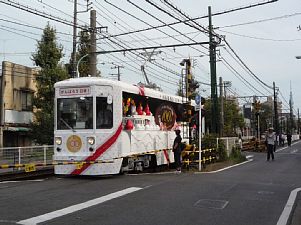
pixel 249 156
pixel 216 171
pixel 74 208
pixel 283 219
pixel 19 181
pixel 8 221
pixel 281 149
pixel 9 181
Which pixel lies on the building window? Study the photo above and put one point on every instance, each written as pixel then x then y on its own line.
pixel 26 101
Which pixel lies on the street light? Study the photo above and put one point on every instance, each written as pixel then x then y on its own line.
pixel 77 71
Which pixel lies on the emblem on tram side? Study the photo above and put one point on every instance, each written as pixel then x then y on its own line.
pixel 74 143
pixel 166 116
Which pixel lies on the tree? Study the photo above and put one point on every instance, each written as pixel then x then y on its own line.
pixel 233 119
pixel 180 91
pixel 266 116
pixel 83 50
pixel 47 56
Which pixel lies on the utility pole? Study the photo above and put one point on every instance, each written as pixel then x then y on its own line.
pixel 291 110
pixel 93 56
pixel 298 123
pixel 118 70
pixel 73 73
pixel 221 87
pixel 276 122
pixel 212 53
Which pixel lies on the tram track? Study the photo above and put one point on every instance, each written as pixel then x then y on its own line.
pixel 22 175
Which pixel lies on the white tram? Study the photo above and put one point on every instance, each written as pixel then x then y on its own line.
pixel 125 126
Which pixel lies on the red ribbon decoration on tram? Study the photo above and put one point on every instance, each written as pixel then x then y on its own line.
pixel 99 151
pixel 166 156
pixel 141 90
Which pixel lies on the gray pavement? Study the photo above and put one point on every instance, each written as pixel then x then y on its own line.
pixel 254 193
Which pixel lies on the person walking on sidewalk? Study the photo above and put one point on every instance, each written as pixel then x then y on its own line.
pixel 270 139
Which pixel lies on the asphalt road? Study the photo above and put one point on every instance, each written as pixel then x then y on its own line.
pixel 254 193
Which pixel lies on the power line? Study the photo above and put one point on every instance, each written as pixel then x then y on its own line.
pixel 135 17
pixel 246 70
pixel 260 38
pixel 30 26
pixel 38 13
pixel 165 23
pixel 242 79
pixel 245 64
pixel 197 18
pixel 260 21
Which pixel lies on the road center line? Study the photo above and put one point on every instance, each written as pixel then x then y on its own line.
pixel 74 208
pixel 283 219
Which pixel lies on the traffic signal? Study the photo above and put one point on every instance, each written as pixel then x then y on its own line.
pixel 188 79
pixel 257 105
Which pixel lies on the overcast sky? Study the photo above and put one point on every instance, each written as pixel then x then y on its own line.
pixel 265 38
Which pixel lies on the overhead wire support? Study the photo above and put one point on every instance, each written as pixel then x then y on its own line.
pixel 152 47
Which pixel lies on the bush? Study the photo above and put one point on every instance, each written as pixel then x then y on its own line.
pixel 221 151
pixel 209 141
pixel 236 155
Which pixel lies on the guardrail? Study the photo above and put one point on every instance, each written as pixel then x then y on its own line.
pixel 190 156
pixel 19 156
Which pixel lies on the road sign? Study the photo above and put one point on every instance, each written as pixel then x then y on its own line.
pixel 197 99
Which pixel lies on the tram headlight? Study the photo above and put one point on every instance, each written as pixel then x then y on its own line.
pixel 91 140
pixel 58 140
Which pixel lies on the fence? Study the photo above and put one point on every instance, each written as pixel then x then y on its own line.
pixel 25 155
pixel 230 142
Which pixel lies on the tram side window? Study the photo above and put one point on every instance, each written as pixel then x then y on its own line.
pixel 104 112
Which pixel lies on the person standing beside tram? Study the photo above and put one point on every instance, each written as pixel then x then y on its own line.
pixel 177 150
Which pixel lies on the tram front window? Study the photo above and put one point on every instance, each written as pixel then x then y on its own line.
pixel 75 113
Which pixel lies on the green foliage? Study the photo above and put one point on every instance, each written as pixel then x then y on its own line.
pixel 180 92
pixel 47 57
pixel 221 151
pixel 209 141
pixel 265 116
pixel 236 155
pixel 48 52
pixel 233 119
pixel 83 49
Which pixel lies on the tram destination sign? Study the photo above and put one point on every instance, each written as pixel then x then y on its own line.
pixel 75 91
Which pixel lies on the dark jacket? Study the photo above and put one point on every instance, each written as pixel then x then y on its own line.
pixel 177 143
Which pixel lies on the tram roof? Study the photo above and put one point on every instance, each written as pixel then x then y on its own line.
pixel 131 88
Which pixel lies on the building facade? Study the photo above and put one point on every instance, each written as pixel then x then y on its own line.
pixel 18 86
